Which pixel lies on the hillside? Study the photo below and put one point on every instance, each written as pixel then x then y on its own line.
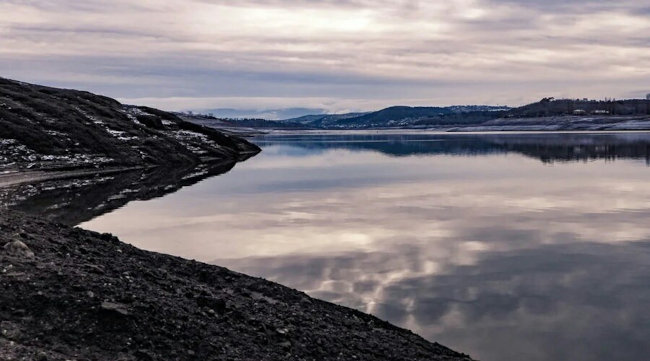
pixel 321 120
pixel 548 114
pixel 558 107
pixel 400 116
pixel 51 128
pixel 241 126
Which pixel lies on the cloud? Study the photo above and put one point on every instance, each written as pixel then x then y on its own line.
pixel 459 51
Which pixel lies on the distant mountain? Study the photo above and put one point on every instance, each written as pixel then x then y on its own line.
pixel 318 120
pixel 559 107
pixel 268 114
pixel 237 125
pixel 547 114
pixel 399 116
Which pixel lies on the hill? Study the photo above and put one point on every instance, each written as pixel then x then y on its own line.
pixel 322 120
pixel 399 117
pixel 558 107
pixel 238 125
pixel 547 114
pixel 50 128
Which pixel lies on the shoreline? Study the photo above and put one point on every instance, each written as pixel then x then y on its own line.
pixel 66 291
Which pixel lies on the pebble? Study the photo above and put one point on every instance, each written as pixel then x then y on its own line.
pixel 18 249
pixel 115 307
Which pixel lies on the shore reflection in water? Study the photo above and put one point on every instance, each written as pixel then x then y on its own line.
pixel 505 246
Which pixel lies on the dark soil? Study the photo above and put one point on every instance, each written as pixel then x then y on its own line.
pixel 49 128
pixel 72 294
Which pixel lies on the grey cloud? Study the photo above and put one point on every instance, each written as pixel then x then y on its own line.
pixel 531 47
pixel 174 75
pixel 91 6
pixel 56 31
pixel 577 5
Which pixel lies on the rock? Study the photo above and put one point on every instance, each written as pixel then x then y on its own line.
pixel 9 330
pixel 115 307
pixel 143 355
pixel 18 249
pixel 215 304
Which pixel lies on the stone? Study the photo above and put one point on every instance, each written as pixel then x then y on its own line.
pixel 114 307
pixel 212 303
pixel 18 249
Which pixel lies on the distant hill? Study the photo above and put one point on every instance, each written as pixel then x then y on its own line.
pixel 395 116
pixel 320 120
pixel 269 114
pixel 557 107
pixel 225 124
pixel 548 114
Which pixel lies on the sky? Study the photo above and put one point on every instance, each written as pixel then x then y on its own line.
pixel 332 56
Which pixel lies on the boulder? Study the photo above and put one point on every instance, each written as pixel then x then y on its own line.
pixel 18 249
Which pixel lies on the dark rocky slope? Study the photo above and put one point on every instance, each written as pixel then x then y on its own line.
pixel 45 128
pixel 71 294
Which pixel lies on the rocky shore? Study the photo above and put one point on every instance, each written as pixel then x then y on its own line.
pixel 71 294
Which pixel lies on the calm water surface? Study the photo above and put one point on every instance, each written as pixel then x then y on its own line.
pixel 503 246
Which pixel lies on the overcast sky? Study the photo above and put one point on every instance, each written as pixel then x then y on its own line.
pixel 336 55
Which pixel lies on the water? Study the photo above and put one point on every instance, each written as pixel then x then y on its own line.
pixel 503 246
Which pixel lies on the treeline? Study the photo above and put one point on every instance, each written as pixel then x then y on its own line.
pixel 240 122
pixel 466 118
pixel 556 107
